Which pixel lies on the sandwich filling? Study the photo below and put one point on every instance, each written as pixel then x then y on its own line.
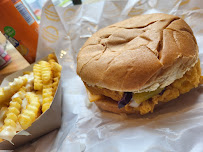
pixel 145 102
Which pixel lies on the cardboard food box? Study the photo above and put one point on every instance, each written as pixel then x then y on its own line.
pixel 45 123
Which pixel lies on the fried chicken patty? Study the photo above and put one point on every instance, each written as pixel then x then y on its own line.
pixel 190 80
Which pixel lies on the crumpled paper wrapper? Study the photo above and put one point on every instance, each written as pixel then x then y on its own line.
pixel 177 126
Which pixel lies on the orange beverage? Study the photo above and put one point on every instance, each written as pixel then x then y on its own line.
pixel 19 27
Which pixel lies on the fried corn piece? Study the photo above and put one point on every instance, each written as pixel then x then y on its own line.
pixel 46 71
pixel 52 56
pixel 39 113
pixel 47 92
pixel 1 140
pixel 39 94
pixel 8 130
pixel 3 112
pixel 2 94
pixel 47 95
pixel 37 77
pixel 7 92
pixel 23 89
pixel 57 76
pixel 53 62
pixel 21 93
pixel 13 111
pixel 56 69
pixel 29 115
pixel 55 84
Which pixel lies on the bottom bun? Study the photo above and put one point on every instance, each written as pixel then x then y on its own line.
pixel 110 105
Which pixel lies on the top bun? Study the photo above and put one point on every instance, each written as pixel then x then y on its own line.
pixel 139 54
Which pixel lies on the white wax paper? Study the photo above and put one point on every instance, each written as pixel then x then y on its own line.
pixel 176 127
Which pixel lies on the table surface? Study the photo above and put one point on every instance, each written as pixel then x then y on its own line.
pixel 18 62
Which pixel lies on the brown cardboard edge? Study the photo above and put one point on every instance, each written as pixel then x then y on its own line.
pixel 47 122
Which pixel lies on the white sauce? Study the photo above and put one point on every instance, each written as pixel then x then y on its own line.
pixel 19 94
pixel 12 85
pixel 30 82
pixel 134 104
pixel 24 103
pixel 16 95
